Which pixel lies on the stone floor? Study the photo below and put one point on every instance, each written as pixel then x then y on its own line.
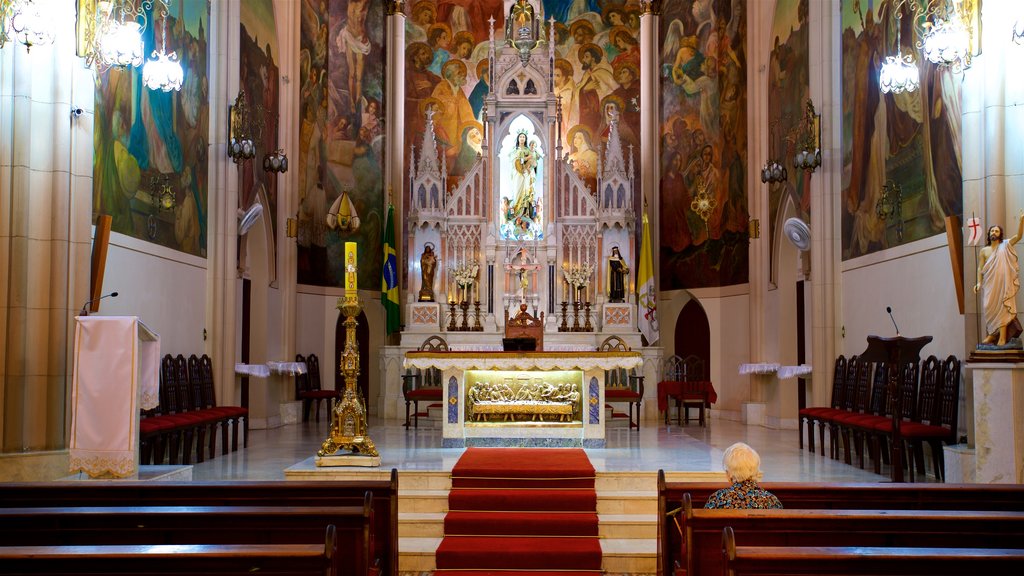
pixel 655 446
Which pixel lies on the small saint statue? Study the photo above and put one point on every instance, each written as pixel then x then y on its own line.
pixel 428 265
pixel 618 275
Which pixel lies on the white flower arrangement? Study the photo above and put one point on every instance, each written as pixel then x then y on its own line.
pixel 465 275
pixel 578 275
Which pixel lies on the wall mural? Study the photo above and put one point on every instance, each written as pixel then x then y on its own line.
pixel 704 215
pixel 259 77
pixel 911 139
pixel 341 136
pixel 150 161
pixel 788 91
pixel 597 66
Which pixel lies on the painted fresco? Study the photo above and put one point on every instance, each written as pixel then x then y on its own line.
pixel 341 135
pixel 446 45
pixel 703 193
pixel 788 91
pixel 912 138
pixel 152 144
pixel 259 77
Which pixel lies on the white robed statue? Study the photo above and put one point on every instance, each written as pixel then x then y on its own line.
pixel 999 281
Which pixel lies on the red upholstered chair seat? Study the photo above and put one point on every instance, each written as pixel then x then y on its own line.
pixel 424 394
pixel 622 394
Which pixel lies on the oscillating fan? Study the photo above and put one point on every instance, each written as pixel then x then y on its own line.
pixel 249 218
pixel 798 232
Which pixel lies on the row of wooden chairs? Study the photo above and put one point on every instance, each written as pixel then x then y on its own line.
pixel 188 416
pixel 309 389
pixel 861 410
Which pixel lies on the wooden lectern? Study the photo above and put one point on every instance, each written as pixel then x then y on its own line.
pixel 896 352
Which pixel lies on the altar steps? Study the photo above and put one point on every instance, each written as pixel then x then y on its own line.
pixel 627 504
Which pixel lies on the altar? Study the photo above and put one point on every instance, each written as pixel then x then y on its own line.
pixel 523 398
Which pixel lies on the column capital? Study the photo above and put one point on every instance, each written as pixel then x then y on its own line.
pixel 651 7
pixel 393 7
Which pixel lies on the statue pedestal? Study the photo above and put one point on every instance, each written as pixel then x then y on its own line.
pixel 619 317
pixel 998 427
pixel 423 317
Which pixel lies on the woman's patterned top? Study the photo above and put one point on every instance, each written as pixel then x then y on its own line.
pixel 746 494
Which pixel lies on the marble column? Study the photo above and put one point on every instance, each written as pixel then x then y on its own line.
pixel 45 210
pixel 222 221
pixel 394 150
pixel 998 429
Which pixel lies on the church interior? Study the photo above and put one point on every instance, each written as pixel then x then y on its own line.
pixel 365 235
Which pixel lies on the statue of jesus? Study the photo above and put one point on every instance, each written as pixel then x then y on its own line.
pixel 999 281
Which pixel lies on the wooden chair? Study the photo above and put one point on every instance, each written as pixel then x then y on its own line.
pixel 525 325
pixel 309 390
pixel 817 414
pixel 621 385
pixel 938 426
pixel 423 385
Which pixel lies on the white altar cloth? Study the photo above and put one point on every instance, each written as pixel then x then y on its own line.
pixel 116 372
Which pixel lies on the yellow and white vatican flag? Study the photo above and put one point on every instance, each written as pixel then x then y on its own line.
pixel 646 292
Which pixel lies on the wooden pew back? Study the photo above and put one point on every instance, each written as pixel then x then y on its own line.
pixel 256 493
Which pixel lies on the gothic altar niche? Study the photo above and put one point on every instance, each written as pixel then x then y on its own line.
pixel 521 227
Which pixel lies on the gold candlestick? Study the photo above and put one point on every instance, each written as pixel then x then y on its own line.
pixel 348 424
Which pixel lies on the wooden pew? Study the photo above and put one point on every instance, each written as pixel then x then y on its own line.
pixel 257 493
pixel 864 560
pixel 187 525
pixel 702 530
pixel 816 495
pixel 197 559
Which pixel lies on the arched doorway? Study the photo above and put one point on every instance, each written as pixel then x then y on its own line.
pixel 363 342
pixel 693 333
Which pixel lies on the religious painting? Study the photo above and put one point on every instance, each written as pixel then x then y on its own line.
pixel 150 160
pixel 901 152
pixel 703 196
pixel 259 79
pixel 521 160
pixel 596 77
pixel 446 70
pixel 788 92
pixel 341 138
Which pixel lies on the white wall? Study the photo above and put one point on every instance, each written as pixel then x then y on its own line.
pixel 165 288
pixel 916 280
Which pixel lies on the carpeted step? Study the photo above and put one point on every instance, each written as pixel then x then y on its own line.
pixel 518 553
pixel 542 500
pixel 521 523
pixel 516 573
pixel 523 467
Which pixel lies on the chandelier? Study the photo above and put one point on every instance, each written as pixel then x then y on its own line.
pixel 899 73
pixel 240 139
pixel 25 21
pixel 163 71
pixel 946 39
pixel 276 162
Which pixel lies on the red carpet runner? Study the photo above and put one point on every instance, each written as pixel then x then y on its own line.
pixel 521 510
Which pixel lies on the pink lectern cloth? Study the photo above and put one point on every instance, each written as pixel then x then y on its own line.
pixel 117 372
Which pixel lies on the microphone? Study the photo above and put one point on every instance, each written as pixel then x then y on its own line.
pixel 85 312
pixel 889 310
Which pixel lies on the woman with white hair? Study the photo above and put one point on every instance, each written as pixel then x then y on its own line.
pixel 743 468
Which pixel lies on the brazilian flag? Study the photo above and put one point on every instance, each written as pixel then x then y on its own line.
pixel 389 278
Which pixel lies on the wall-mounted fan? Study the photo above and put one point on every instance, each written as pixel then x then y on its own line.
pixel 249 217
pixel 798 232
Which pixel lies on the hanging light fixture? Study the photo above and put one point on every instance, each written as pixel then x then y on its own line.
pixel 898 73
pixel 809 156
pixel 947 34
pixel 240 140
pixel 121 43
pixel 276 162
pixel 163 71
pixel 24 21
pixel 773 172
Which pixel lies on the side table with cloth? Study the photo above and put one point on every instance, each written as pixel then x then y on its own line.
pixel 694 391
pixel 116 373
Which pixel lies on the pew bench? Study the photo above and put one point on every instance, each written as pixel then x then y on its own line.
pixel 257 493
pixel 195 560
pixel 864 560
pixel 702 531
pixel 193 525
pixel 811 495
